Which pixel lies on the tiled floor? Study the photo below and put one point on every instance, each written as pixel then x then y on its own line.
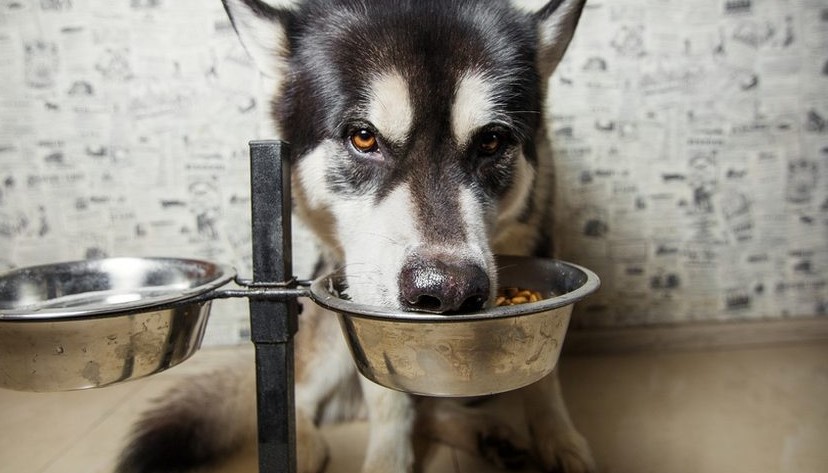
pixel 744 411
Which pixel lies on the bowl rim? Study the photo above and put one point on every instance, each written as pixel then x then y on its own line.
pixel 43 313
pixel 321 294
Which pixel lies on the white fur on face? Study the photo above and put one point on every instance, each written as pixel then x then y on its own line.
pixel 311 171
pixel 376 239
pixel 476 248
pixel 475 106
pixel 312 197
pixel 390 107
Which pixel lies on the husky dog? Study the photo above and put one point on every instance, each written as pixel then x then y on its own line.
pixel 419 151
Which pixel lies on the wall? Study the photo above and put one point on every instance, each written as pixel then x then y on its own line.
pixel 693 159
pixel 691 137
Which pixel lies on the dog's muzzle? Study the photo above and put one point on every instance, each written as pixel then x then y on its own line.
pixel 440 284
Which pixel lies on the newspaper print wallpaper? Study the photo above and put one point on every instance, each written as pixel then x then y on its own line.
pixel 692 151
pixel 691 140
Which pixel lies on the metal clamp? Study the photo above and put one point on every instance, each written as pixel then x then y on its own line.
pixel 266 291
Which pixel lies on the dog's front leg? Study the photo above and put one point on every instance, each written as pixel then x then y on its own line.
pixel 391 416
pixel 474 430
pixel 559 446
pixel 324 371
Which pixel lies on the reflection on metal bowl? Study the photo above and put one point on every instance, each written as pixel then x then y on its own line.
pixel 89 324
pixel 486 352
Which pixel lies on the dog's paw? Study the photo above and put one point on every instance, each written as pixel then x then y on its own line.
pixel 311 447
pixel 565 453
pixel 504 448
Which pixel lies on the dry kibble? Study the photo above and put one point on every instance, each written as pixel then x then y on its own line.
pixel 514 295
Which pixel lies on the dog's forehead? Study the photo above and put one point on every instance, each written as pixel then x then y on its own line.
pixel 404 63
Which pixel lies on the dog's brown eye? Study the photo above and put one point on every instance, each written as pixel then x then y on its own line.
pixel 364 141
pixel 490 143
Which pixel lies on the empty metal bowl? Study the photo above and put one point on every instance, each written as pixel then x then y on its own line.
pixel 92 323
pixel 486 352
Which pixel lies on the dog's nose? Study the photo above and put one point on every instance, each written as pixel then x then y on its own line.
pixel 438 285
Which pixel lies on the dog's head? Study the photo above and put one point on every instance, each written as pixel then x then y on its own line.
pixel 413 126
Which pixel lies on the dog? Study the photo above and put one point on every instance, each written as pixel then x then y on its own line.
pixel 419 150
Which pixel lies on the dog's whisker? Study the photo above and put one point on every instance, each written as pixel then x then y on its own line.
pixel 386 238
pixel 523 111
pixel 506 266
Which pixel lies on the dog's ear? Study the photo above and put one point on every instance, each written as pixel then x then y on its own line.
pixel 263 30
pixel 556 21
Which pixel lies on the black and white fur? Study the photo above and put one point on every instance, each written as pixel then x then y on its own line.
pixel 450 97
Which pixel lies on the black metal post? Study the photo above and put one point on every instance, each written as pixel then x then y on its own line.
pixel 273 323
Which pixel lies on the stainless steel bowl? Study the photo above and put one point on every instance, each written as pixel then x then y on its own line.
pixel 87 324
pixel 486 352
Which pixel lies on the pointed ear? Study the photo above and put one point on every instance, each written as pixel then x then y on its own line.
pixel 262 30
pixel 556 21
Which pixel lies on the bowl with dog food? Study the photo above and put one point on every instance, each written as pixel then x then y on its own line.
pixel 93 323
pixel 489 351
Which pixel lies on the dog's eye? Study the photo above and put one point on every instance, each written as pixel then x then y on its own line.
pixel 364 140
pixel 489 143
